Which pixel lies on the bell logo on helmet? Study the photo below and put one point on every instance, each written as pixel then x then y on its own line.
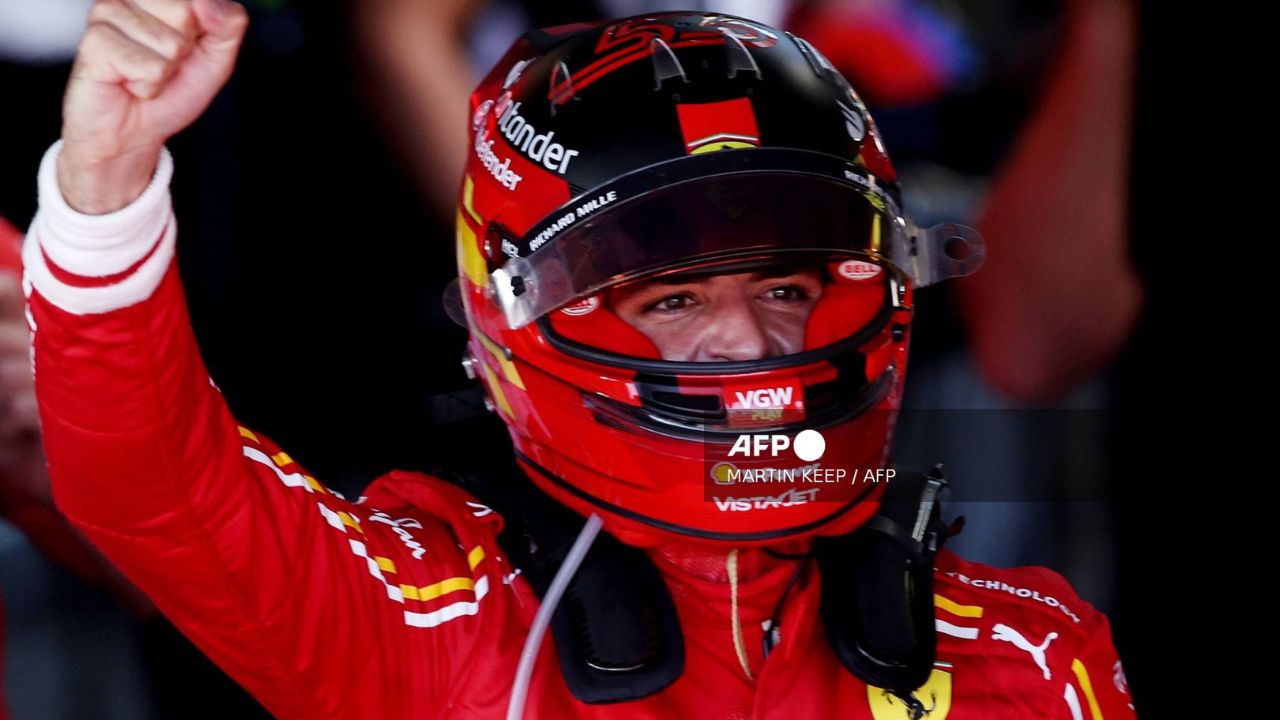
pixel 857 270
pixel 582 307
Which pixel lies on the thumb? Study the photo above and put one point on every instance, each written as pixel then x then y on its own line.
pixel 222 25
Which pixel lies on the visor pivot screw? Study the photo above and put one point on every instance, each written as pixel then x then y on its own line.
pixel 899 331
pixel 469 366
pixel 493 242
pixel 517 286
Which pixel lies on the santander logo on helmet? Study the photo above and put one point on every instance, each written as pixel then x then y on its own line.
pixel 538 147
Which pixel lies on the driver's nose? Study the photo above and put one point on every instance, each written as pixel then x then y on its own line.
pixel 733 332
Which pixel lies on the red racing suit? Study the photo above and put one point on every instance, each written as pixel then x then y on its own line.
pixel 402 604
pixel 24 498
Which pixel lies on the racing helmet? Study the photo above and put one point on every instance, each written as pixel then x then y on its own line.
pixel 675 146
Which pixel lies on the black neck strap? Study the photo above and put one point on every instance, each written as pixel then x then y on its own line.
pixel 617 633
pixel 877 586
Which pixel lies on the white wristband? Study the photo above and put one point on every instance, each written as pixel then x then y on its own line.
pixel 99 247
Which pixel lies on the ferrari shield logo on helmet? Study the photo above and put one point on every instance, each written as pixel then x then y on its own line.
pixel 726 125
pixel 931 701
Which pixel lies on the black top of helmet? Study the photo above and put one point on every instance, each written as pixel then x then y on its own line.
pixel 610 93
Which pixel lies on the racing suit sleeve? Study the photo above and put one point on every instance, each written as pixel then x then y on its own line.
pixel 320 607
pixel 1096 686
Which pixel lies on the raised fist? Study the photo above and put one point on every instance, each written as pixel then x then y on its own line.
pixel 145 70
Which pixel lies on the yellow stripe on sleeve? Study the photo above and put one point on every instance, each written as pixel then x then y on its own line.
pixel 955 608
pixel 350 521
pixel 444 587
pixel 435 590
pixel 1082 676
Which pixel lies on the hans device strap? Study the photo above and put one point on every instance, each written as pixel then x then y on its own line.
pixel 877 586
pixel 617 632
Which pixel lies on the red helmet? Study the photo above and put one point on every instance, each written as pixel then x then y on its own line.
pixel 677 144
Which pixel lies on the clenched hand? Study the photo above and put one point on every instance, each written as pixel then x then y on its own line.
pixel 145 70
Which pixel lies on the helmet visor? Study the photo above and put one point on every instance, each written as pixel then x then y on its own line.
pixel 592 246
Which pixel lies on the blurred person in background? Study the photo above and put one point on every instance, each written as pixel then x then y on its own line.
pixel 276 576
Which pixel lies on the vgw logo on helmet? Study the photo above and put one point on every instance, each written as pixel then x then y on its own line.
pixel 754 406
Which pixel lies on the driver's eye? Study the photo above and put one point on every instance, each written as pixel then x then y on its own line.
pixel 671 303
pixel 787 293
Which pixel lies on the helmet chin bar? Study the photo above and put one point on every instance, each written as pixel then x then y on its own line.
pixel 666 424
